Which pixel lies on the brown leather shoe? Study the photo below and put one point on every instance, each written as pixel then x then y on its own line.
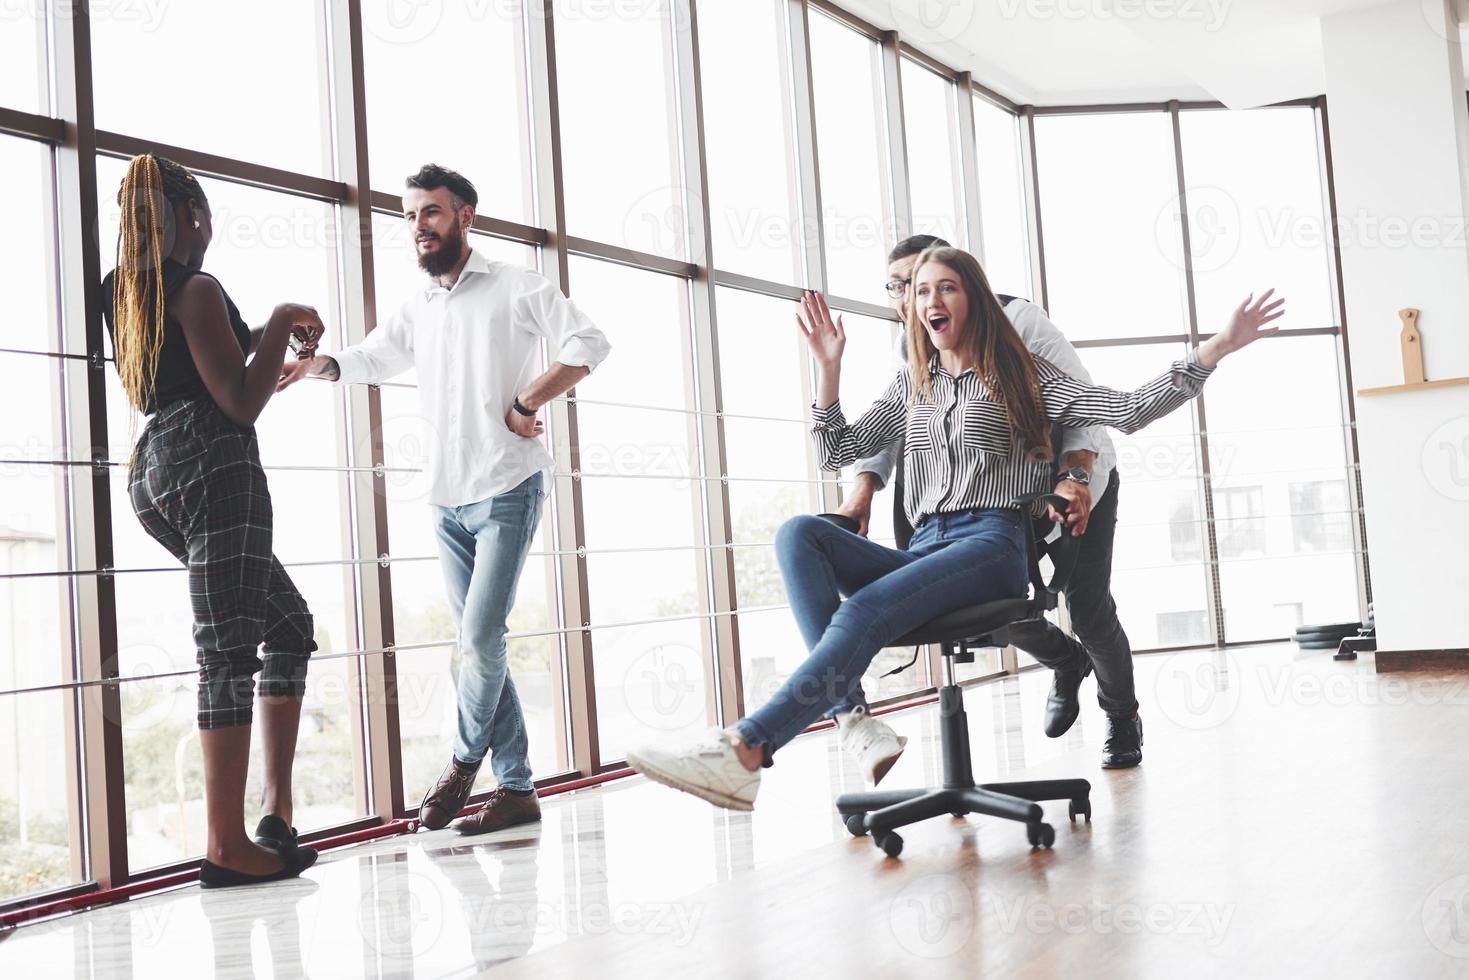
pixel 502 809
pixel 443 802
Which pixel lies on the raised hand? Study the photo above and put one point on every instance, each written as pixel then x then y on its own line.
pixel 1246 325
pixel 825 336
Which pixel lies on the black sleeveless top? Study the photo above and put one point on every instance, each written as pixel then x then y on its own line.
pixel 177 378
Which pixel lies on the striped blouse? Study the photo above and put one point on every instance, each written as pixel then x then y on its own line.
pixel 958 450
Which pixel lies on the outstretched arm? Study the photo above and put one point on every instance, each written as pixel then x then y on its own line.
pixel 386 351
pixel 1069 400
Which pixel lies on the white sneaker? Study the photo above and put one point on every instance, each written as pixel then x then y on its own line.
pixel 706 767
pixel 874 744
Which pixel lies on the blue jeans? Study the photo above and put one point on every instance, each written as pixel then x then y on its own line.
pixel 954 560
pixel 482 549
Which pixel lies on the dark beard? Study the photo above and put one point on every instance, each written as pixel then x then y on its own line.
pixel 445 257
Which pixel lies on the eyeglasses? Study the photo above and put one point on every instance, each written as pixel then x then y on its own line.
pixel 897 287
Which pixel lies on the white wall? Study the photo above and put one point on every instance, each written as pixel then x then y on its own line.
pixel 1399 132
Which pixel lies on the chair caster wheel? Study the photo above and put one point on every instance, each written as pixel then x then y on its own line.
pixel 1080 808
pixel 1040 834
pixel 890 843
pixel 856 824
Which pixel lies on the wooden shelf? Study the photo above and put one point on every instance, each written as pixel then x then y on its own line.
pixel 1446 383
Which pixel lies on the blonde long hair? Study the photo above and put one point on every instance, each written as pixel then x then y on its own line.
pixel 145 235
pixel 992 344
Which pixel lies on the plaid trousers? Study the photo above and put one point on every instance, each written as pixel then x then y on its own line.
pixel 198 488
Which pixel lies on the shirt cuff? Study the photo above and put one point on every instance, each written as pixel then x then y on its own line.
pixel 878 466
pixel 1193 367
pixel 1074 439
pixel 829 414
pixel 351 368
pixel 581 353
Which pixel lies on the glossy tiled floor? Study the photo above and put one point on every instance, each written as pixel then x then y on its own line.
pixel 1293 816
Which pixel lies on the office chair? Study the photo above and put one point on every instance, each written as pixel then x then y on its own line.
pixel 881 812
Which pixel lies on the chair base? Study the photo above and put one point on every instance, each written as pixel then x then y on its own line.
pixel 880 812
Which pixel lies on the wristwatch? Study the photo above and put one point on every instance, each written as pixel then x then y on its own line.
pixel 1076 475
pixel 521 408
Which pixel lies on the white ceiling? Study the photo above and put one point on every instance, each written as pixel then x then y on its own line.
pixel 1058 52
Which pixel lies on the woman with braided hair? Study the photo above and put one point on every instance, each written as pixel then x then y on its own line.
pixel 188 361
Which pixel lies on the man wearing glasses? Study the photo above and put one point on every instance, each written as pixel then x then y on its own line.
pixel 1086 473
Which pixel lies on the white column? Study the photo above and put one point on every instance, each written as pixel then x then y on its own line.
pixel 1400 151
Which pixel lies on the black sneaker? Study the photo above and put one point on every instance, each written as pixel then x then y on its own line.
pixel 1124 746
pixel 1062 704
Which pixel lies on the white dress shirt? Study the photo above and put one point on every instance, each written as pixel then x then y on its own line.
pixel 476 347
pixel 1042 337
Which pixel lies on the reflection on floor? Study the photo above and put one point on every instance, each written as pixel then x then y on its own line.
pixel 1293 816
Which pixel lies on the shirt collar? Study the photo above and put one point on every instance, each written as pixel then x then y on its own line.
pixel 936 369
pixel 476 264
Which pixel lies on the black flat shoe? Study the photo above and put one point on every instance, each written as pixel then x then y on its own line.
pixel 296 861
pixel 273 833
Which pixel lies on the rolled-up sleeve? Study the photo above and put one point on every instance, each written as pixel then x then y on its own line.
pixel 882 463
pixel 576 340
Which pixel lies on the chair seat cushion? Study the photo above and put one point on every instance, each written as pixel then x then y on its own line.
pixel 967 623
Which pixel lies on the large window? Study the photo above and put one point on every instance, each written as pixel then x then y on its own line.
pixel 852 147
pixel 1261 456
pixel 1159 559
pixel 1256 212
pixel 615 67
pixel 23 75
pixel 749 137
pixel 1260 540
pixel 212 77
pixel 641 487
pixel 931 127
pixel 35 600
pixel 466 111
pixel 1109 212
pixel 768 453
pixel 1002 208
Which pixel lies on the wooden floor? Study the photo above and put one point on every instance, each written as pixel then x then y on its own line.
pixel 1293 817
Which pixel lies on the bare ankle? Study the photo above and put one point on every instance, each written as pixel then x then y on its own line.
pixel 277 808
pixel 227 850
pixel 750 756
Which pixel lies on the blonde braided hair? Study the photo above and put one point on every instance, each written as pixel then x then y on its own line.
pixel 145 236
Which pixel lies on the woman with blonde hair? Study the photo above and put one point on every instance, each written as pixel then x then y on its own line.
pixel 974 407
pixel 184 355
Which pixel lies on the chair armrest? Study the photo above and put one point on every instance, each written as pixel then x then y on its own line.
pixel 1063 551
pixel 1054 499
